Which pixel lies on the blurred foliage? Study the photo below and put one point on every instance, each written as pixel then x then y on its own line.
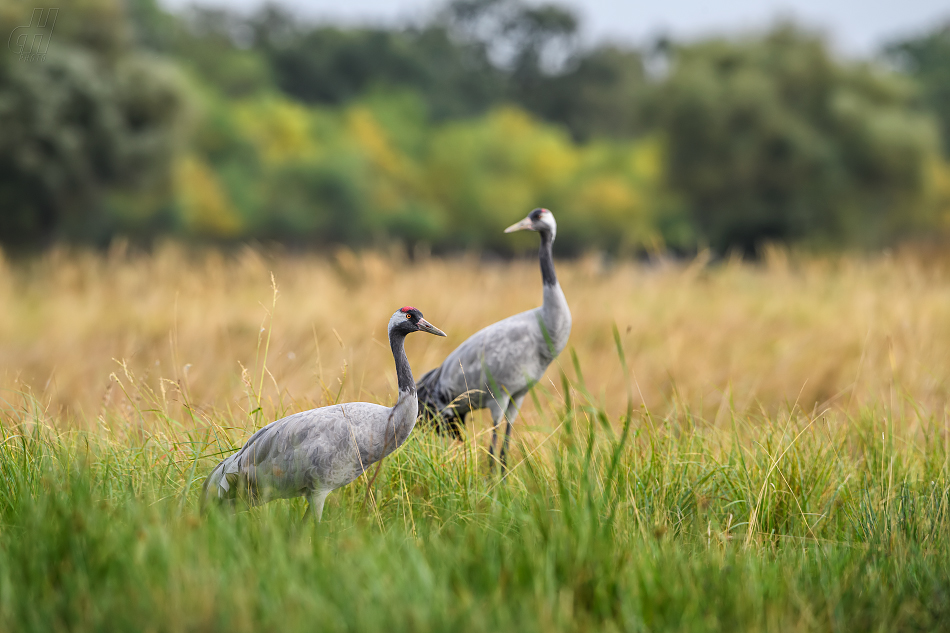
pixel 770 138
pixel 377 170
pixel 217 125
pixel 927 59
pixel 93 125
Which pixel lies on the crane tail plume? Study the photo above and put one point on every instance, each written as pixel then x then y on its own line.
pixel 432 406
pixel 218 486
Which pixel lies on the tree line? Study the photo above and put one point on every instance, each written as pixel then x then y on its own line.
pixel 214 125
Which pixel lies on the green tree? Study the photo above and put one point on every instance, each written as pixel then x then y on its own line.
pixel 472 56
pixel 334 66
pixel 600 95
pixel 771 139
pixel 927 59
pixel 89 122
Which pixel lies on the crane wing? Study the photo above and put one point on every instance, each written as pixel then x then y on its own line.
pixel 316 449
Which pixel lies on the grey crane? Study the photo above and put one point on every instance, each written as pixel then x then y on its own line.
pixel 314 452
pixel 497 366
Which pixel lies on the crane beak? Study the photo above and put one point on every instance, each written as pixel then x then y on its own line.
pixel 524 225
pixel 425 326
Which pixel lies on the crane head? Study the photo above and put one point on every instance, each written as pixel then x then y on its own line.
pixel 408 319
pixel 540 220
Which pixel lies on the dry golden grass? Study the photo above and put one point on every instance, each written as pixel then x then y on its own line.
pixel 844 333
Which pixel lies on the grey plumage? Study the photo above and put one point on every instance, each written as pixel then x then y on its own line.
pixel 315 452
pixel 497 366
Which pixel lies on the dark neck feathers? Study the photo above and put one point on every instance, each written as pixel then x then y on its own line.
pixel 403 372
pixel 547 260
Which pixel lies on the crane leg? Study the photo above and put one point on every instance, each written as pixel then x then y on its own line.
pixel 315 504
pixel 514 406
pixel 497 408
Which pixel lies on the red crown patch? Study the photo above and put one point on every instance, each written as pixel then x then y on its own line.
pixel 406 309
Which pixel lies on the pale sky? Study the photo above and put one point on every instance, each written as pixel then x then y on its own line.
pixel 856 27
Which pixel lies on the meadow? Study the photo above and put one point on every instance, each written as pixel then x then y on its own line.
pixel 723 446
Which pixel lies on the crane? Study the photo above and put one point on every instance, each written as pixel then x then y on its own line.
pixel 497 366
pixel 314 452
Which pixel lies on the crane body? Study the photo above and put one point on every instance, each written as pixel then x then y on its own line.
pixel 497 366
pixel 315 452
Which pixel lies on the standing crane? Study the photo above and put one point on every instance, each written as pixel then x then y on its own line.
pixel 497 366
pixel 314 452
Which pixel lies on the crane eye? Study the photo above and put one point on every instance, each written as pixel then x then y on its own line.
pixel 408 316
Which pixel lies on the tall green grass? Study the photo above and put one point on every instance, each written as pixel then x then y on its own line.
pixel 802 521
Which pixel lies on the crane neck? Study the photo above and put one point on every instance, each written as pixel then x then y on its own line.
pixel 555 313
pixel 548 277
pixel 403 372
